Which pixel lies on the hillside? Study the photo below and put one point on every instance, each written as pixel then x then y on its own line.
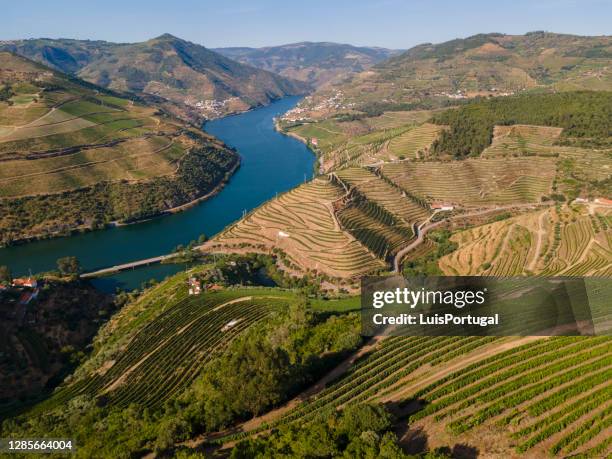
pixel 314 63
pixel 77 156
pixel 268 370
pixel 187 79
pixel 44 334
pixel 381 177
pixel 433 75
pixel 516 185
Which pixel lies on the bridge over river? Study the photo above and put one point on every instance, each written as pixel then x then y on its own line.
pixel 125 266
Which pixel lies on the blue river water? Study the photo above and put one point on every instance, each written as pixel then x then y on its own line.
pixel 271 163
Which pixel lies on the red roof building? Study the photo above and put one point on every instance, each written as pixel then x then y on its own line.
pixel 29 282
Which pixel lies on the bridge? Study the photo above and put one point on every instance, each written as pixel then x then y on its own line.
pixel 124 267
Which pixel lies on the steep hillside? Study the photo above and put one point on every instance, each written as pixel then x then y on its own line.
pixel 486 64
pixel 314 63
pixel 74 155
pixel 186 78
pixel 45 330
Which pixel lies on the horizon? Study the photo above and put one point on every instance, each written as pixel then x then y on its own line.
pixel 391 24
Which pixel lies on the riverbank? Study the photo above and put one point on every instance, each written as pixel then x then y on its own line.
pixel 187 205
pixel 202 172
pixel 271 163
pixel 315 151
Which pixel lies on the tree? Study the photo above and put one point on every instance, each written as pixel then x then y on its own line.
pixel 69 265
pixel 5 274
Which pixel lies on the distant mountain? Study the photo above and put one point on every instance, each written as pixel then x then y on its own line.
pixel 189 79
pixel 484 64
pixel 508 62
pixel 315 63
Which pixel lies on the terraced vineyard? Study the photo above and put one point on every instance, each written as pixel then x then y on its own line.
pixel 381 372
pixel 364 141
pixel 520 139
pixel 375 227
pixel 415 142
pixel 302 224
pixel 548 395
pixel 76 156
pixel 475 182
pixel 167 353
pixel 585 164
pixel 64 135
pixel 537 396
pixel 402 205
pixel 568 241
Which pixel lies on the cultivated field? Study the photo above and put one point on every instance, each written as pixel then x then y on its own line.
pixel 302 224
pixel 70 137
pixel 569 241
pixel 161 358
pixel 510 396
pixel 521 139
pixel 387 137
pixel 475 182
pixel 344 225
pixel 74 156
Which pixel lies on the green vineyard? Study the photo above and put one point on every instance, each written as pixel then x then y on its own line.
pixel 476 182
pixel 375 227
pixel 551 393
pixel 167 354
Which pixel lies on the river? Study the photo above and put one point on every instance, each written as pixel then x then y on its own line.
pixel 271 163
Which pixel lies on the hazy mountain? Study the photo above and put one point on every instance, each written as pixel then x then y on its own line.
pixel 484 64
pixel 189 78
pixel 315 63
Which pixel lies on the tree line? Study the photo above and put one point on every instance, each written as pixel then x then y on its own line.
pixel 584 116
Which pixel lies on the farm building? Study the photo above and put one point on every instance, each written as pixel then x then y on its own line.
pixel 442 206
pixel 29 282
pixel 195 286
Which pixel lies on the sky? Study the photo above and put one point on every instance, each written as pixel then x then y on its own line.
pixel 396 24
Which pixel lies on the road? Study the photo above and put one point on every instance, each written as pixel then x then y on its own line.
pixel 423 228
pixel 421 231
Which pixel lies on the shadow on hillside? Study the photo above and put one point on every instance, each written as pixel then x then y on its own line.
pixel 415 440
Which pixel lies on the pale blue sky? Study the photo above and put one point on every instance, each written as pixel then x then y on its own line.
pixel 389 23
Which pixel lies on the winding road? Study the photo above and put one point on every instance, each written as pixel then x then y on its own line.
pixel 423 228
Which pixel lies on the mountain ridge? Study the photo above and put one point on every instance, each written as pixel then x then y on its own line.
pixel 188 79
pixel 493 64
pixel 317 63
